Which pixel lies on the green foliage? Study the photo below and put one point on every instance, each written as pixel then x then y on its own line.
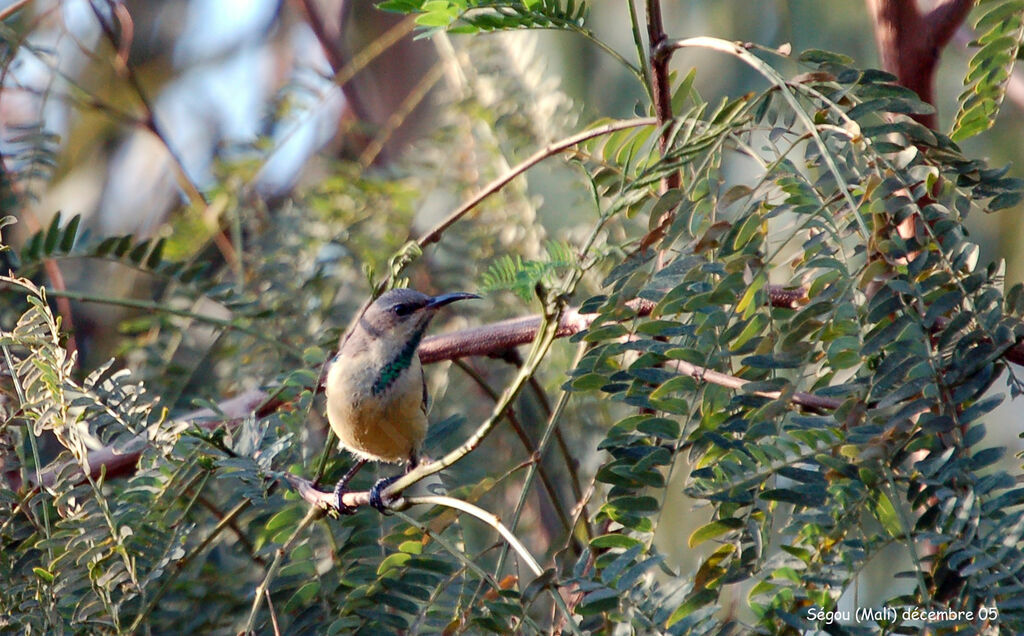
pixel 473 16
pixel 910 384
pixel 1001 29
pixel 522 277
pixel 812 439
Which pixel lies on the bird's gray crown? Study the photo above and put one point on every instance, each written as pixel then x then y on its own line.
pixel 399 302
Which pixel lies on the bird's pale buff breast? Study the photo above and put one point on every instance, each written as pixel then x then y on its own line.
pixel 385 427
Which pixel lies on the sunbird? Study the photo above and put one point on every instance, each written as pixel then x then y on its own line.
pixel 376 392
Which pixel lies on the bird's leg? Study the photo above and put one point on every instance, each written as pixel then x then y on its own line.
pixel 375 499
pixel 342 487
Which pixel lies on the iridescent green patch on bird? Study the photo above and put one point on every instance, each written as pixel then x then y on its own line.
pixel 394 368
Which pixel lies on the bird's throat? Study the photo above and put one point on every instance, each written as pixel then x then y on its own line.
pixel 396 365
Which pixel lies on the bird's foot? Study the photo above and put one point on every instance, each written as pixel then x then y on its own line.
pixel 339 503
pixel 375 493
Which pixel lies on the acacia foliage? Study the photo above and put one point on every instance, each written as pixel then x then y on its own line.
pixel 858 424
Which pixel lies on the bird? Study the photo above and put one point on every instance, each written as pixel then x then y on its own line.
pixel 376 392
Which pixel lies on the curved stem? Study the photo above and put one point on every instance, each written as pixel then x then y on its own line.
pixel 528 444
pixel 487 517
pixel 664 51
pixel 549 430
pixel 517 545
pixel 550 150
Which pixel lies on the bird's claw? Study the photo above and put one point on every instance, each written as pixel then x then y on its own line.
pixel 375 494
pixel 339 503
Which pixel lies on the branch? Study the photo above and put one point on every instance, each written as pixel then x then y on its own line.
pixel 485 340
pixel 703 374
pixel 13 8
pixel 328 33
pixel 662 97
pixel 117 464
pixel 434 235
pixel 910 42
pixel 476 341
pixel 326 501
pixel 945 18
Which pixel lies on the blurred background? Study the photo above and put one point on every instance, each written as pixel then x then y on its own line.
pixel 232 80
pixel 176 119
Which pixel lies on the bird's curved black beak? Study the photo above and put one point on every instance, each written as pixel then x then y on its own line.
pixel 444 299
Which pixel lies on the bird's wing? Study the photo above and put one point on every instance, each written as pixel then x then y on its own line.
pixel 425 404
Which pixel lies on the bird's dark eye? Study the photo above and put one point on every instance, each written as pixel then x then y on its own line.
pixel 403 309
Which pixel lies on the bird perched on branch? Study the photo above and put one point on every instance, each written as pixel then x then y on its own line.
pixel 376 392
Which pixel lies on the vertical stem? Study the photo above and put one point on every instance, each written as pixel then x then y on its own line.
pixel 280 555
pixel 641 57
pixel 660 89
pixel 662 96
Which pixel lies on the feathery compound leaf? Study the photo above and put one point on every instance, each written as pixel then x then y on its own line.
pixel 512 273
pixel 472 16
pixel 1002 30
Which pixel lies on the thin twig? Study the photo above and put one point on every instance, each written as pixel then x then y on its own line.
pixel 703 374
pixel 550 150
pixel 661 93
pixel 524 438
pixel 226 521
pixel 399 115
pixel 11 9
pixel 149 122
pixel 312 515
pixel 486 517
pixel 135 303
pixel 554 417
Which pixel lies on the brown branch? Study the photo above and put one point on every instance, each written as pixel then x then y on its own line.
pixel 945 18
pixel 475 341
pixel 531 450
pixel 662 97
pixel 703 374
pixel 150 123
pixel 910 42
pixel 13 8
pixel 328 33
pixel 661 89
pixel 115 464
pixel 434 235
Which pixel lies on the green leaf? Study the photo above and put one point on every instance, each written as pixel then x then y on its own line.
pixel 1003 26
pixel 817 56
pixel 67 241
pixel 694 602
pixel 52 235
pixel 661 427
pixel 286 518
pixel 714 530
pixel 614 540
pixel 886 514
pixel 393 561
pixel 156 255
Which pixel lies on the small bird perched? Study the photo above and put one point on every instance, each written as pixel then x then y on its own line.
pixel 376 392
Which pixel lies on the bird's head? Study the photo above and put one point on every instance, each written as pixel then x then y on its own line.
pixel 400 315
